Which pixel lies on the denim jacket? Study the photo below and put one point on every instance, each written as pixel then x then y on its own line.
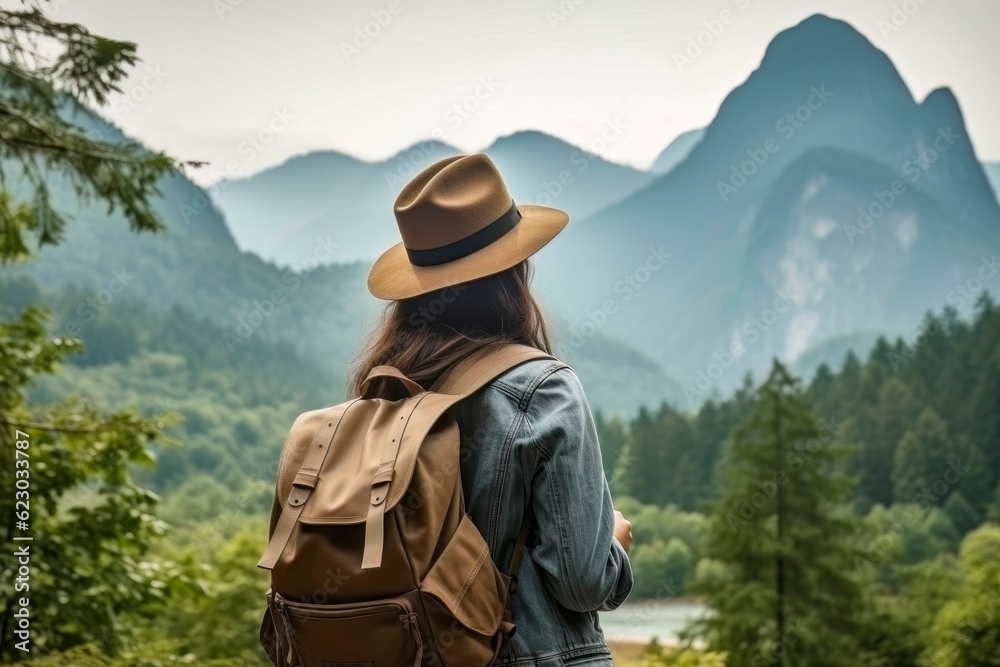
pixel 529 436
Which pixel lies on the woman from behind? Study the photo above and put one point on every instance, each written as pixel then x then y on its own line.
pixel 459 284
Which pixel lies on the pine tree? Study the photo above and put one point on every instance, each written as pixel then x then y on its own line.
pixel 634 470
pixel 977 482
pixel 782 534
pixel 893 412
pixel 48 70
pixel 921 457
pixel 611 434
pixel 963 515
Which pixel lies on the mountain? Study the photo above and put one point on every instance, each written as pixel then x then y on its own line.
pixel 283 212
pixel 320 310
pixel 540 169
pixel 676 151
pixel 822 200
pixel 992 170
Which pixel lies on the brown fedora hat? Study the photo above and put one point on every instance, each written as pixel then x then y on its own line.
pixel 458 223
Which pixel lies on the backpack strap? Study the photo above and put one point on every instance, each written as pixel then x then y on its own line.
pixel 527 525
pixel 481 367
pixel 458 382
pixel 374 521
pixel 471 375
pixel 303 485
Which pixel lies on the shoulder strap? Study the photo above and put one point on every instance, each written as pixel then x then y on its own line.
pixel 479 368
pixel 458 382
pixel 472 374
pixel 527 525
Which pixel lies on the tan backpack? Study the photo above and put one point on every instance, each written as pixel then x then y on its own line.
pixel 374 561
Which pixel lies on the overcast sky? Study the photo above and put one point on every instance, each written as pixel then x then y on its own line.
pixel 295 76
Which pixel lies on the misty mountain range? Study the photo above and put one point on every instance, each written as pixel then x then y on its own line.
pixel 821 207
pixel 822 201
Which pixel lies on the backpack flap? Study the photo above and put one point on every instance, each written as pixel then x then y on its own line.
pixel 353 463
pixel 370 461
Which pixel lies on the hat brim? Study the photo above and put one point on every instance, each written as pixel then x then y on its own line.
pixel 394 277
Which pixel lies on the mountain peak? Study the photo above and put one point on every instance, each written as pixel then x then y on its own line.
pixel 427 147
pixel 527 138
pixel 942 98
pixel 824 50
pixel 820 30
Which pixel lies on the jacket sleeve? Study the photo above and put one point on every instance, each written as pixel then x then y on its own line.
pixel 583 565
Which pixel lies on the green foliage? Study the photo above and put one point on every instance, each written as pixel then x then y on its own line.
pixel 91 524
pixel 217 625
pixel 891 406
pixel 611 434
pixel 902 535
pixel 236 408
pixel 966 631
pixel 921 457
pixel 667 542
pixel 668 656
pixel 963 515
pixel 86 655
pixel 660 568
pixel 874 463
pixel 786 594
pixel 993 512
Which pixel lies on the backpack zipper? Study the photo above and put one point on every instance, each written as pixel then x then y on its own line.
pixel 287 623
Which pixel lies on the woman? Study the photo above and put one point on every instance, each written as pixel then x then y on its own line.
pixel 460 282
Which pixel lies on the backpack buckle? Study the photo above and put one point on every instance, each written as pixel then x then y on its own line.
pixel 305 480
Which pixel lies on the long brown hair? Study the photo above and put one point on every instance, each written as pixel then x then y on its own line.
pixel 425 335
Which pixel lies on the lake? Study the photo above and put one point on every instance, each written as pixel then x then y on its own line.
pixel 641 620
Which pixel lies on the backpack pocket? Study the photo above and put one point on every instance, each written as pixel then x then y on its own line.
pixel 466 597
pixel 382 633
